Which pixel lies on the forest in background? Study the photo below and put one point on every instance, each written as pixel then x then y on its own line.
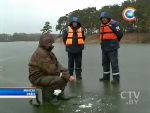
pixel 89 17
pixel 22 37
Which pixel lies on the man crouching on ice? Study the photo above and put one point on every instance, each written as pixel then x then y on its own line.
pixel 46 71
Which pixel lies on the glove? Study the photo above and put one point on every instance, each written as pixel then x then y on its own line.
pixel 57 92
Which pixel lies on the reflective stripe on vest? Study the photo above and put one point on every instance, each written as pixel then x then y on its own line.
pixel 106 33
pixel 70 36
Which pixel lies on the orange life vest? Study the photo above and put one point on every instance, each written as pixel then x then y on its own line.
pixel 70 36
pixel 106 33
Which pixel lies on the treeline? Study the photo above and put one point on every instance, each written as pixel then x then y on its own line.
pixel 21 37
pixel 89 17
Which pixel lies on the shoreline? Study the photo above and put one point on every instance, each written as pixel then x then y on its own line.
pixel 127 38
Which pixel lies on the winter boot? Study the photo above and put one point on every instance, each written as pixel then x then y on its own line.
pixel 53 101
pixel 70 70
pixel 79 78
pixel 63 97
pixel 115 79
pixel 78 74
pixel 106 77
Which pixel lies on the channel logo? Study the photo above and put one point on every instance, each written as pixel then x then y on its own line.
pixel 128 14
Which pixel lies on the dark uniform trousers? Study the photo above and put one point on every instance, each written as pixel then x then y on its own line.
pixel 110 57
pixel 77 59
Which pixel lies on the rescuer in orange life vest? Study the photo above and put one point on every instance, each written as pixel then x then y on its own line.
pixel 110 35
pixel 73 38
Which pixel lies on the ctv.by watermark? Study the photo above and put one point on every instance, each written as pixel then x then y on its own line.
pixel 131 97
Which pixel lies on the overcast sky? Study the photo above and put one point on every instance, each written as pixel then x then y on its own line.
pixel 29 16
